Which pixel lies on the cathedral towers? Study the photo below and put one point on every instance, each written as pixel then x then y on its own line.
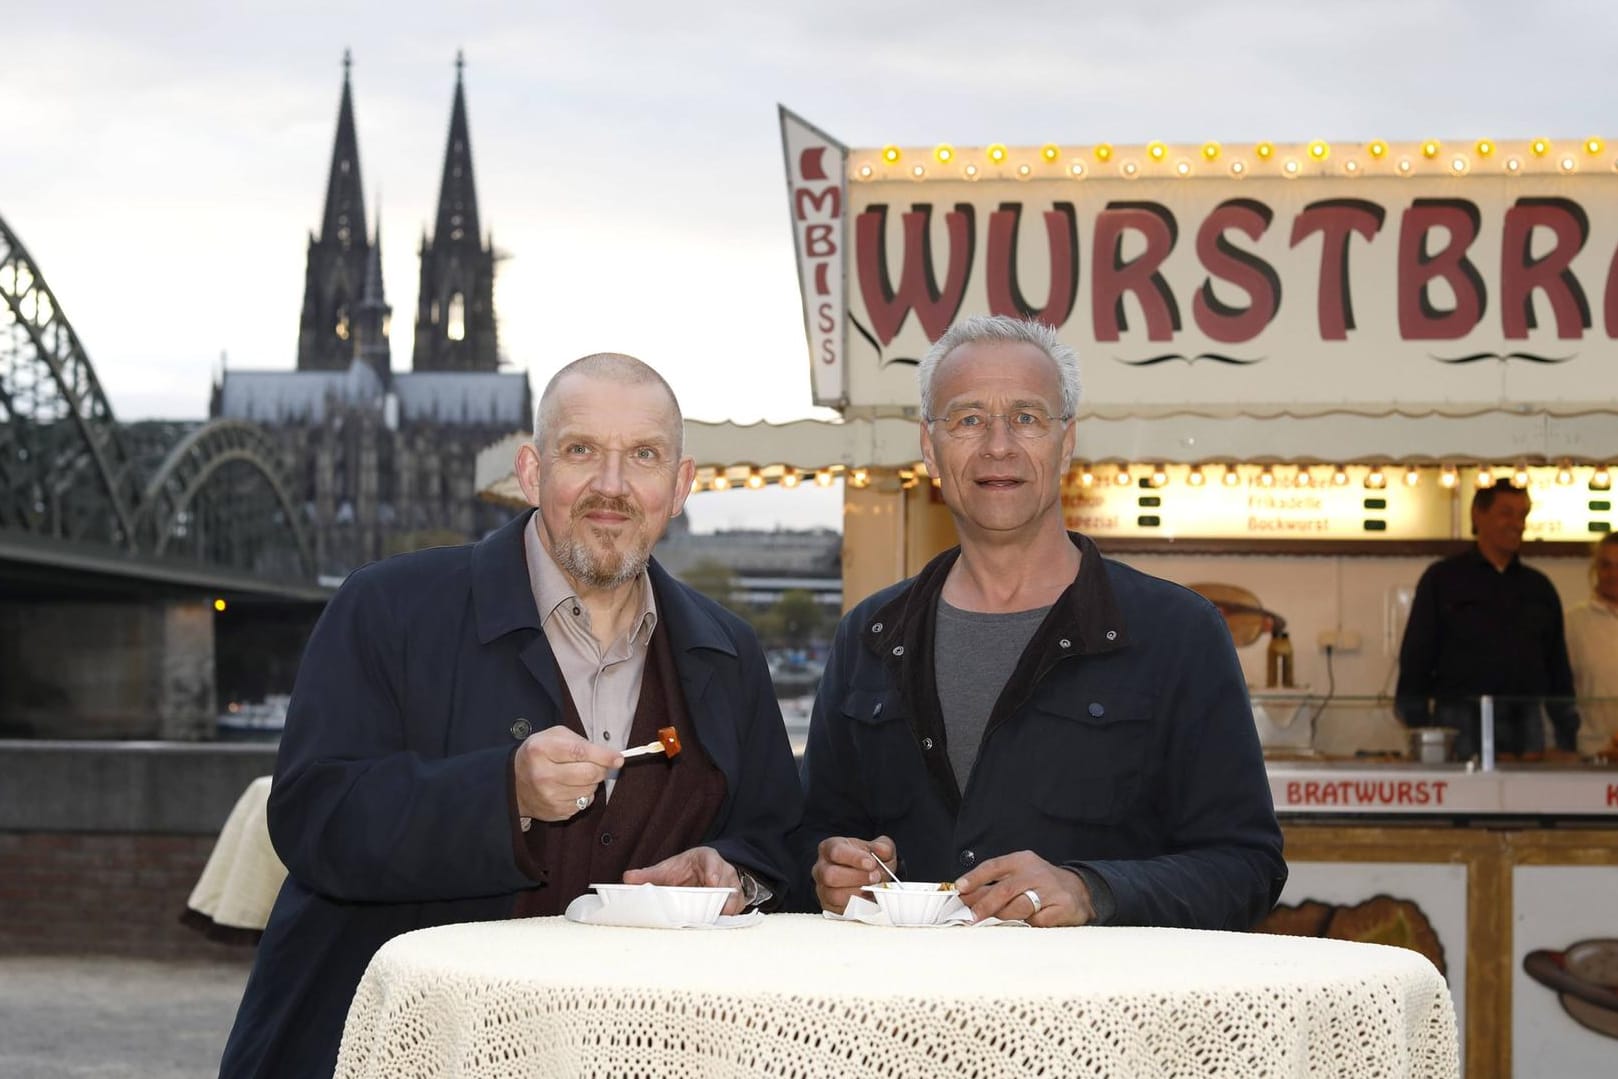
pixel 345 313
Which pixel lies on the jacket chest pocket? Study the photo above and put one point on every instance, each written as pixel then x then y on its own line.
pixel 1092 754
pixel 884 750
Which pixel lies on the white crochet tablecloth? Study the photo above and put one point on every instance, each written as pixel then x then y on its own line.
pixel 805 996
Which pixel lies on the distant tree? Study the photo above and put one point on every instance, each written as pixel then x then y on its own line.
pixel 718 582
pixel 797 618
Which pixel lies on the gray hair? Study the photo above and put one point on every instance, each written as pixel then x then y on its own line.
pixel 980 328
pixel 609 367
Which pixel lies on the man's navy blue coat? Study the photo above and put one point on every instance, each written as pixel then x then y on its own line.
pixel 390 803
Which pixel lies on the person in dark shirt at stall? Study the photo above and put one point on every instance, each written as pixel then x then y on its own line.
pixel 1484 623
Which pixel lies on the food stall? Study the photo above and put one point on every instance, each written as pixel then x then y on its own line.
pixel 1300 360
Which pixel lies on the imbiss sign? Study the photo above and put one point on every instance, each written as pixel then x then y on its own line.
pixel 1317 277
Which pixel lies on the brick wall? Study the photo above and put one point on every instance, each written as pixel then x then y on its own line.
pixel 108 893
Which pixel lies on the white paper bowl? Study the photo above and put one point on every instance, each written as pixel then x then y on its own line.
pixel 692 906
pixel 910 902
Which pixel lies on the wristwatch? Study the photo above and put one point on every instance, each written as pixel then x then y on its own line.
pixel 755 893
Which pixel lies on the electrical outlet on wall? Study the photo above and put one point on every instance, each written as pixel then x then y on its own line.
pixel 1339 640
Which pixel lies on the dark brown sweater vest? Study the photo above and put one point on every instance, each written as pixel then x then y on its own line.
pixel 659 807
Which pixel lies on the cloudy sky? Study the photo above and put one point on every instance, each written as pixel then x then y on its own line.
pixel 165 161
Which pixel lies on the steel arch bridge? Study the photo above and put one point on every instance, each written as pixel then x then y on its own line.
pixel 69 474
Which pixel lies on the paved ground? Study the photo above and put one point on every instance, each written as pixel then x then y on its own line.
pixel 115 1018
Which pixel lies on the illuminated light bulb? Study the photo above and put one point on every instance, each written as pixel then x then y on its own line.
pixel 1540 147
pixel 859 477
pixel 1404 165
pixel 1568 164
pixel 1484 148
pixel 1160 476
pixel 1196 478
pixel 1592 146
pixel 1377 149
pixel 1266 478
pixel 790 478
pixel 1376 479
pixel 1600 479
pixel 1304 478
pixel 1429 149
pixel 219 605
pixel 1351 167
pixel 1513 165
pixel 1519 476
pixel 1412 476
pixel 1077 168
pixel 1448 478
pixel 1130 168
pixel 1564 474
pixel 1050 152
pixel 755 480
pixel 971 171
pixel 1319 150
pixel 1485 477
pixel 1087 478
pixel 1183 168
pixel 1156 151
pixel 1023 170
pixel 1103 151
pixel 944 153
pixel 721 482
pixel 822 477
pixel 1458 165
pixel 1264 150
pixel 1210 151
pixel 890 154
pixel 1121 477
pixel 997 153
pixel 1237 168
pixel 1291 168
pixel 1339 476
pixel 865 172
pixel 918 172
pixel 1231 478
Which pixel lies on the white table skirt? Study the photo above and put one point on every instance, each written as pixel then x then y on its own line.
pixel 239 883
pixel 804 996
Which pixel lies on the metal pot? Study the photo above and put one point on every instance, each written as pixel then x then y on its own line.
pixel 1432 745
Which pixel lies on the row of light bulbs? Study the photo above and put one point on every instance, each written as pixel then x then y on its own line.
pixel 1537 155
pixel 1376 476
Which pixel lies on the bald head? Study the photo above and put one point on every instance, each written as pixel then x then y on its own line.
pixel 614 367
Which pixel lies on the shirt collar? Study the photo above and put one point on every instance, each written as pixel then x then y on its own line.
pixel 552 589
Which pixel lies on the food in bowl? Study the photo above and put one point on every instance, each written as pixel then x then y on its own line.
pixel 912 902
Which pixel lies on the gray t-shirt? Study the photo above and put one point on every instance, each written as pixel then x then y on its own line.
pixel 973 656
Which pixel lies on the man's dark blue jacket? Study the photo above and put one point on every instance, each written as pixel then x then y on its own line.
pixel 1123 743
pixel 391 803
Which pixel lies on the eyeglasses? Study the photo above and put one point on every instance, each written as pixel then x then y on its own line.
pixel 973 423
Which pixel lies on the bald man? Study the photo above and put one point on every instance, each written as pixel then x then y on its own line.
pixel 454 746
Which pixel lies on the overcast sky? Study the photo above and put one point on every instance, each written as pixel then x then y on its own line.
pixel 164 162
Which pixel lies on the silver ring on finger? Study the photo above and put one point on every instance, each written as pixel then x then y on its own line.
pixel 1033 897
pixel 582 802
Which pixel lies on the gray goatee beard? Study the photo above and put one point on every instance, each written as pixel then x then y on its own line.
pixel 611 569
pixel 606 573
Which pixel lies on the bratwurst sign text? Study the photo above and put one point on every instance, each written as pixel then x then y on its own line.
pixel 1314 279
